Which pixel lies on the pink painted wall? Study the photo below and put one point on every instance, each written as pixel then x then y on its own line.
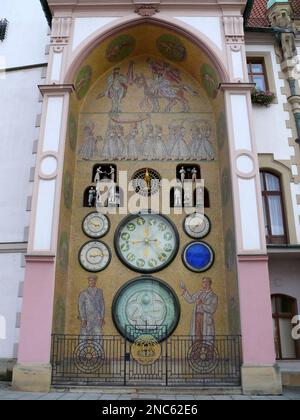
pixel 256 312
pixel 36 322
pixel 285 276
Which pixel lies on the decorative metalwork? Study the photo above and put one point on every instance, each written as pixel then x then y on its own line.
pixel 146 182
pixel 203 357
pixel 89 356
pixel 177 361
pixel 3 29
pixel 146 350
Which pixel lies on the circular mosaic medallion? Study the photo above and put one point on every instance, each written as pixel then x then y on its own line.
pixel 89 356
pixel 120 48
pixel 146 306
pixel 203 357
pixel 198 257
pixel 210 80
pixel 83 81
pixel 146 350
pixel 171 47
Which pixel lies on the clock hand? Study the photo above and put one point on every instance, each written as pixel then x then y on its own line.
pixel 95 224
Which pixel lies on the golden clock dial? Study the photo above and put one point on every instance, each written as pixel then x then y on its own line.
pixel 146 182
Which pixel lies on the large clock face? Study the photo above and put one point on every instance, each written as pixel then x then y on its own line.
pixel 146 243
pixel 146 306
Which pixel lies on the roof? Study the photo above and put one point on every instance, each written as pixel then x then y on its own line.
pixel 256 13
pixel 47 11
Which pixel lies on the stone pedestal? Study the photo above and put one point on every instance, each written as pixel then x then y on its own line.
pixel 32 377
pixel 261 380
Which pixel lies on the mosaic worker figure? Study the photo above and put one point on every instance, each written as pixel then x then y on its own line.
pixel 91 309
pixel 205 306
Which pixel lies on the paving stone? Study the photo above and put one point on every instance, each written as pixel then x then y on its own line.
pixel 185 397
pixel 148 396
pixel 167 397
pixel 90 397
pixel 52 396
pixel 70 396
pixel 241 398
pixel 222 397
pixel 203 398
pixel 32 396
pixel 109 397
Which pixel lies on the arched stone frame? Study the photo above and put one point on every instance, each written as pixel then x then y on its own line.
pixel 76 58
pixel 283 170
pixel 257 361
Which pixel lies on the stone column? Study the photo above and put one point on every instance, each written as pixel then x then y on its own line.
pixel 33 371
pixel 260 375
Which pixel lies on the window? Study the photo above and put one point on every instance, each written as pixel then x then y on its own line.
pixel 257 73
pixel 273 208
pixel 284 309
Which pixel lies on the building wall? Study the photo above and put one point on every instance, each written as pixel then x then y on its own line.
pixel 20 106
pixel 284 277
pixel 271 132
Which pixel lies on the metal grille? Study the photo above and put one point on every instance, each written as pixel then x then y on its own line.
pixel 182 361
pixel 78 360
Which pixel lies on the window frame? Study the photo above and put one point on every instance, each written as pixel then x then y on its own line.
pixel 277 315
pixel 273 239
pixel 258 60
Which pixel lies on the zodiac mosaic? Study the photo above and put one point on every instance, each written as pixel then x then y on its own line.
pixel 83 81
pixel 120 48
pixel 171 47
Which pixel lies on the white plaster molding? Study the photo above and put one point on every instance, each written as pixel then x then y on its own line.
pixel 210 26
pixel 86 26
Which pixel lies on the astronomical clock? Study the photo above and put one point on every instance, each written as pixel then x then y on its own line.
pixel 146 243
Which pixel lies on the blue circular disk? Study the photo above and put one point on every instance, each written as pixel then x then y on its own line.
pixel 198 256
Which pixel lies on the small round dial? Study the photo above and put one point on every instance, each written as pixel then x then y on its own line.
pixel 147 243
pixel 197 225
pixel 96 225
pixel 94 256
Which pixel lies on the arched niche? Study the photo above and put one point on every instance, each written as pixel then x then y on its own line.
pixel 150 62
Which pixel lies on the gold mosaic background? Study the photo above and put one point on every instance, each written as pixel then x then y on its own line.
pixel 86 108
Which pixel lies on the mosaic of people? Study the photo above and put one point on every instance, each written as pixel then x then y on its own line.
pixel 205 306
pixel 133 136
pixel 91 309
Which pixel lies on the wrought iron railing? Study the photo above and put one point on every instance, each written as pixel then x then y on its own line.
pixel 177 361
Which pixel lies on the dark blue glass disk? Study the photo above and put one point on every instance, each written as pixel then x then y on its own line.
pixel 198 257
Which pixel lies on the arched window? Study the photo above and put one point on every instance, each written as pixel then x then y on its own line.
pixel 284 309
pixel 273 208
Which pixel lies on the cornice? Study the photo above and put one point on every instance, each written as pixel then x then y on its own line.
pixel 54 89
pixel 164 5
